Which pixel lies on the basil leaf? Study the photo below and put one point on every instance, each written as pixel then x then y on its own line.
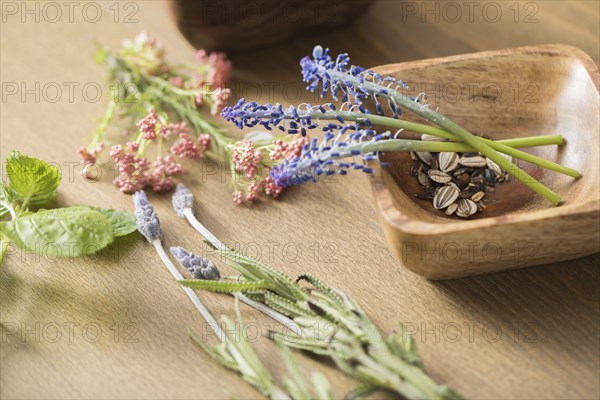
pixel 5 198
pixel 70 232
pixel 123 223
pixel 32 180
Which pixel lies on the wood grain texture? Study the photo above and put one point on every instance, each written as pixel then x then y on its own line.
pixel 547 315
pixel 526 91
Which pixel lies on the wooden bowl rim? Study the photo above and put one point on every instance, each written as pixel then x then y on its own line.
pixel 402 222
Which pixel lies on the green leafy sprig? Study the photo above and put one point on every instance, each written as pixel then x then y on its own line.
pixel 326 322
pixel 332 325
pixel 68 231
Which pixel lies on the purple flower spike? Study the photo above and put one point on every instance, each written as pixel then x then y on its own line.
pixel 182 199
pixel 336 154
pixel 200 268
pixel 147 220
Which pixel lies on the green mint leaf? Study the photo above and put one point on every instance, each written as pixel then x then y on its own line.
pixel 32 180
pixel 69 232
pixel 123 223
pixel 5 198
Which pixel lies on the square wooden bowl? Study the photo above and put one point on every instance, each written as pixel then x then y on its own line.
pixel 538 90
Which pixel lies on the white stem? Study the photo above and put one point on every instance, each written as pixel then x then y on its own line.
pixel 190 293
pixel 277 316
pixel 189 214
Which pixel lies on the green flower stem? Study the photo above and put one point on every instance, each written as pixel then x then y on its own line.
pixel 99 135
pixel 410 145
pixel 453 128
pixel 506 146
pixel 431 146
pixel 478 144
pixel 530 141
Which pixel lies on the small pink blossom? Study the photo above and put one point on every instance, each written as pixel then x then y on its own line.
pixel 132 168
pixel 175 129
pixel 220 98
pixel 294 149
pixel 271 189
pixel 147 125
pixel 177 81
pixel 246 158
pixel 161 178
pixel 238 197
pixel 185 147
pixel 253 191
pixel 88 156
pixel 204 141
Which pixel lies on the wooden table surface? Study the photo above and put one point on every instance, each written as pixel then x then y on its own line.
pixel 123 321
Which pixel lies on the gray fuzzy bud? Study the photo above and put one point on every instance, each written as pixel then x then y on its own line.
pixel 146 219
pixel 200 268
pixel 182 199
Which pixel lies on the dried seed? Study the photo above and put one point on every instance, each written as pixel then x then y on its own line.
pixel 465 194
pixel 477 196
pixel 461 170
pixel 423 179
pixel 424 156
pixel 463 181
pixel 439 176
pixel 424 196
pixel 466 208
pixel 451 208
pixel 431 138
pixel 493 166
pixel 444 197
pixel 475 161
pixel 448 161
pixel 489 176
pixel 480 206
pixel 413 156
pixel 434 164
pixel 477 180
pixel 416 167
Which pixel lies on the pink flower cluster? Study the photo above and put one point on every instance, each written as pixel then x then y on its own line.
pixel 136 172
pixel 219 67
pixel 186 147
pixel 289 150
pixel 132 168
pixel 248 160
pixel 88 156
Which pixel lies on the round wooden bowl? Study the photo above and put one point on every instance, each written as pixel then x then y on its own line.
pixel 242 24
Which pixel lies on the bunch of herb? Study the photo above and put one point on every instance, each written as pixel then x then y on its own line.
pixel 165 107
pixel 321 320
pixel 151 93
pixel 68 231
pixel 350 139
pixel 230 352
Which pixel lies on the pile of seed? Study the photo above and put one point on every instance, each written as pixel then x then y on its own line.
pixel 456 182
